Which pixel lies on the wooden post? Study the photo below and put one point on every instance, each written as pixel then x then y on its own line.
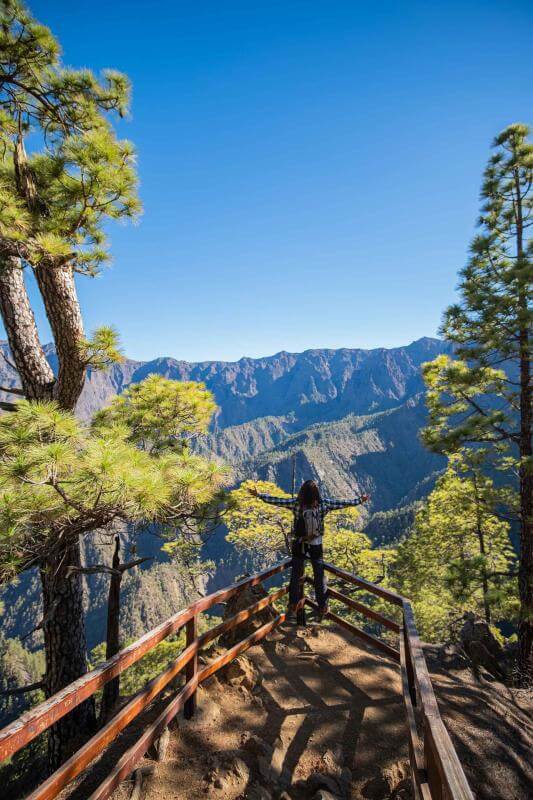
pixel 111 693
pixel 293 475
pixel 192 667
pixel 409 667
pixel 432 768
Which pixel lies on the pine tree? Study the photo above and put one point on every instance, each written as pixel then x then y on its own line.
pixel 262 531
pixel 485 394
pixel 54 201
pixel 61 480
pixel 459 557
pixel 63 174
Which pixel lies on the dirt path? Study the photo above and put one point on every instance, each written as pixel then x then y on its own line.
pixel 308 713
pixel 312 714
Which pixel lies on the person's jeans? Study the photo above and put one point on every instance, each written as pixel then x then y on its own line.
pixel 315 553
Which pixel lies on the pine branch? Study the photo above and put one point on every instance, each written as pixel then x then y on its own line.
pixel 97 569
pixel 31 687
pixel 12 390
pixel 504 434
pixel 104 569
pixel 512 574
pixel 8 362
pixel 66 499
pixel 46 618
pixel 131 564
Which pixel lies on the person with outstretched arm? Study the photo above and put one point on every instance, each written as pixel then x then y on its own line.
pixel 309 510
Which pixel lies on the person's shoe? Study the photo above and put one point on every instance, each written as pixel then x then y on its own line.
pixel 321 613
pixel 291 615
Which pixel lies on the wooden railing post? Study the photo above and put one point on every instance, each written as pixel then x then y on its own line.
pixel 192 667
pixel 409 667
pixel 431 766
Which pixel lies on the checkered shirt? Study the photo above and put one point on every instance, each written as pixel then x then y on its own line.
pixel 326 505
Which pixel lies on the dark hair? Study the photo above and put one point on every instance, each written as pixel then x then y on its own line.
pixel 309 495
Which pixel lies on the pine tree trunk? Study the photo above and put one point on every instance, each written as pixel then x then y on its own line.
pixel 482 551
pixel 112 689
pixel 64 626
pixel 58 291
pixel 525 574
pixel 65 647
pixel 35 373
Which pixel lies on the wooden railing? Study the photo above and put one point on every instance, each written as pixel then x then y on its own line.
pixel 43 716
pixel 436 771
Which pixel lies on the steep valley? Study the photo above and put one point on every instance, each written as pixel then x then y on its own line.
pixel 350 418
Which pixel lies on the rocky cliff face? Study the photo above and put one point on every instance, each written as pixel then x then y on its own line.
pixel 379 454
pixel 351 417
pixel 313 386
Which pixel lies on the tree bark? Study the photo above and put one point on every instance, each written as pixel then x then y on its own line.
pixel 481 543
pixel 112 689
pixel 65 647
pixel 525 573
pixel 36 375
pixel 58 291
pixel 64 623
pixel 64 626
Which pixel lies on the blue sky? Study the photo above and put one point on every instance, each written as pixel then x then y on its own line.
pixel 309 170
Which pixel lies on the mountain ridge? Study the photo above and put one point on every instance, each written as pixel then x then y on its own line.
pixel 314 383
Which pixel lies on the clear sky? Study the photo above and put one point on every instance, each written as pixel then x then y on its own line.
pixel 309 170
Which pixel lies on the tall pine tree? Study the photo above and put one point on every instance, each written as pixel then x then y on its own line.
pixel 63 174
pixel 485 395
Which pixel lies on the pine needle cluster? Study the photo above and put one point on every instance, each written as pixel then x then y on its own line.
pixel 61 479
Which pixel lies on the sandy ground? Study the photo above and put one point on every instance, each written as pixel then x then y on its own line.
pixel 328 714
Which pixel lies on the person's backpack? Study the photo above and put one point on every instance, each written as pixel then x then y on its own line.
pixel 307 526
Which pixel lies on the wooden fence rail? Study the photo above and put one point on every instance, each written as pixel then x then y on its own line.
pixel 436 771
pixel 38 719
